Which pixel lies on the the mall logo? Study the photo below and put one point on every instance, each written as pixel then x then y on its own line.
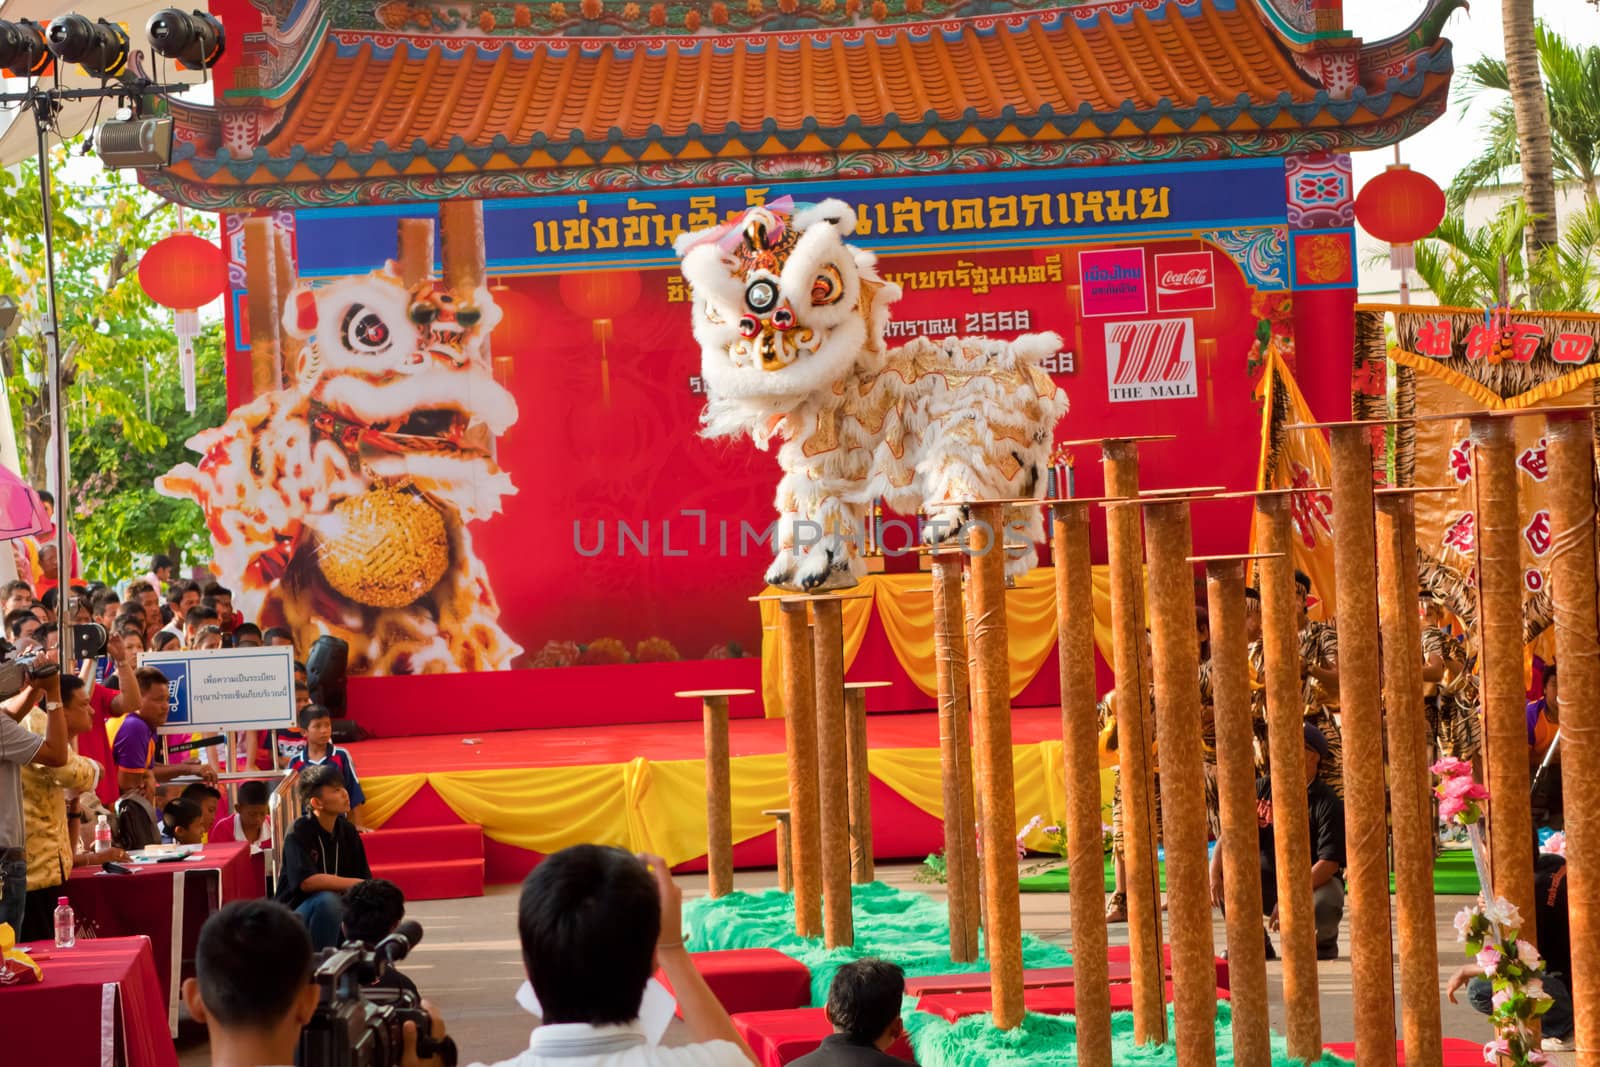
pixel 1150 360
pixel 1186 281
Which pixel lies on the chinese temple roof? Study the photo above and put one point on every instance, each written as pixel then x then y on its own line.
pixel 373 115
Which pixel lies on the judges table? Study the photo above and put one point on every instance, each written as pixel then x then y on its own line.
pixel 99 1005
pixel 168 902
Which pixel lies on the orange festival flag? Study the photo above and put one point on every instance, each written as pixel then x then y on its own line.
pixel 1298 459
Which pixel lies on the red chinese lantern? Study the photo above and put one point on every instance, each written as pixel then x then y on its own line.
pixel 516 333
pixel 1400 206
pixel 601 297
pixel 184 272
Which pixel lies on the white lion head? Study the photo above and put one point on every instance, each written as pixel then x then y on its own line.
pixel 783 307
pixel 404 361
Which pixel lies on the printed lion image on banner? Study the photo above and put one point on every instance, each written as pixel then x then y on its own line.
pixel 339 504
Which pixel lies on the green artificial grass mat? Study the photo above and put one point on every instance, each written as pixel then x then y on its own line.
pixel 912 929
pixel 1453 875
pixel 1051 1041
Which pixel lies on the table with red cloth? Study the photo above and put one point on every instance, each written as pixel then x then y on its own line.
pixel 110 980
pixel 167 902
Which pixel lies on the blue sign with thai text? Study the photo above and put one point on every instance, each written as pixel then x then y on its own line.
pixel 942 212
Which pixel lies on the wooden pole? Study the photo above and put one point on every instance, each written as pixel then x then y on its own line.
pixel 416 251
pixel 285 273
pixel 1410 798
pixel 991 703
pixel 1236 793
pixel 860 784
pixel 833 773
pixel 955 756
pixel 800 740
pixel 1499 567
pixel 1297 921
pixel 719 798
pixel 1080 748
pixel 1126 559
pixel 1570 492
pixel 1175 657
pixel 1366 829
pixel 264 297
pixel 461 226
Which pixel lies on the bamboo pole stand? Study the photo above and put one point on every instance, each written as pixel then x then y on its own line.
pixel 719 794
pixel 1499 580
pixel 800 740
pixel 833 773
pixel 1410 799
pixel 1081 759
pixel 1125 557
pixel 1286 745
pixel 1236 792
pixel 860 784
pixel 1361 721
pixel 1570 492
pixel 1175 658
pixel 955 755
pixel 991 703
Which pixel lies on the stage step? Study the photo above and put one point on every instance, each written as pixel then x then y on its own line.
pixel 429 862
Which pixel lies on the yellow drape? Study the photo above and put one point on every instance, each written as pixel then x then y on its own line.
pixel 903 604
pixel 660 807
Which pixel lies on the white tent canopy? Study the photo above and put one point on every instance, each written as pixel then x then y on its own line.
pixel 18 141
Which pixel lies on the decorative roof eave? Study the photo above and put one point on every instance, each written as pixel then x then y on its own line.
pixel 181 184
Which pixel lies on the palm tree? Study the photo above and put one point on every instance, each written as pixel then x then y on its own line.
pixel 1531 109
pixel 1572 88
pixel 1461 265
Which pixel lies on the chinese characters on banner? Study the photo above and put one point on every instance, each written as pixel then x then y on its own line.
pixel 1446 524
pixel 1478 338
pixel 1302 462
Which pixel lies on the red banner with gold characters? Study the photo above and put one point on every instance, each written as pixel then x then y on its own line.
pixel 1298 460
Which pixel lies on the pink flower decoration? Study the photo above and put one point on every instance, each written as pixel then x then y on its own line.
pixel 1556 845
pixel 1495 1049
pixel 1527 955
pixel 1464 919
pixel 1489 960
pixel 1450 767
pixel 1463 788
pixel 1450 807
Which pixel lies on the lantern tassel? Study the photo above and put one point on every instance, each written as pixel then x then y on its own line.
pixel 186 324
pixel 1403 257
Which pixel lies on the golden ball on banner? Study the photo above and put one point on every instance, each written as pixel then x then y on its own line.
pixel 390 548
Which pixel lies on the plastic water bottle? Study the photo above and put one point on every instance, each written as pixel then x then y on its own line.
pixel 102 834
pixel 66 924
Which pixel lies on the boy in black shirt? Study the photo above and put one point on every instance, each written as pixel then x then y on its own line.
pixel 322 856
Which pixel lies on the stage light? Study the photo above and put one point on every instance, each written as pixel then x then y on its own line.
pixel 23 51
pixel 99 47
pixel 135 142
pixel 194 40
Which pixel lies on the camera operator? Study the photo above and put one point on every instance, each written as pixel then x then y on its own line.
pixel 252 987
pixel 372 911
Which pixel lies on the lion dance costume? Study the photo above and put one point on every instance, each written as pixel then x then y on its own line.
pixel 339 505
pixel 791 321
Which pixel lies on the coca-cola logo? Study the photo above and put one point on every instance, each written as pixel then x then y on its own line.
pixel 1185 281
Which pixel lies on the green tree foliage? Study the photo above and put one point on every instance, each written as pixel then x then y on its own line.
pixel 1572 90
pixel 1461 264
pixel 111 334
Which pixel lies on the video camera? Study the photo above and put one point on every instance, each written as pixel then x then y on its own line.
pixel 19 668
pixel 357 1026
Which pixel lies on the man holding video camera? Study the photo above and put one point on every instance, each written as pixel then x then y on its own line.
pixel 253 988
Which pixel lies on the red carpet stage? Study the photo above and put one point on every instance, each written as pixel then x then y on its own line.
pixel 643 787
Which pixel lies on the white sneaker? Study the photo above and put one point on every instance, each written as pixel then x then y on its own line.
pixel 1557 1044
